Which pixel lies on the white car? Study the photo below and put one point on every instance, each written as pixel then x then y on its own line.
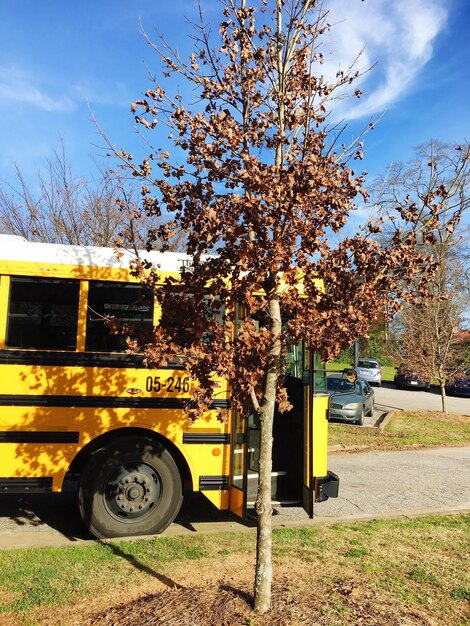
pixel 369 369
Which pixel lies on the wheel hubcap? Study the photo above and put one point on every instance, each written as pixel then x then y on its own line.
pixel 133 491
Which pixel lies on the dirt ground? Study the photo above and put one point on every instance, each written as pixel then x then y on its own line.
pixel 225 605
pixel 204 597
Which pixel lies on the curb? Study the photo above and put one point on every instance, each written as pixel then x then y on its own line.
pixel 379 424
pixel 383 420
pixel 28 540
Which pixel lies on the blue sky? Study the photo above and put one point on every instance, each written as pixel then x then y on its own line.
pixel 60 57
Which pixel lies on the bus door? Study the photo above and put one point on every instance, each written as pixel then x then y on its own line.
pixel 308 376
pixel 299 474
pixel 287 457
pixel 238 488
pixel 238 483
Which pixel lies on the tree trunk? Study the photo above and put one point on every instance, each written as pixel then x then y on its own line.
pixel 443 398
pixel 264 567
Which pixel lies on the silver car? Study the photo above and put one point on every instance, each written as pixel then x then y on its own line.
pixel 350 401
pixel 370 370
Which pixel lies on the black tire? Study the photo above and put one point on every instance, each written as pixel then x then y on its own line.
pixel 360 421
pixel 130 487
pixel 371 412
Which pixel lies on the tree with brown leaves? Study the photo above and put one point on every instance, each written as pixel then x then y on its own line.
pixel 256 176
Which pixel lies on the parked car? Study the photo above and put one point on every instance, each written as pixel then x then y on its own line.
pixel 406 378
pixel 350 401
pixel 460 386
pixel 370 370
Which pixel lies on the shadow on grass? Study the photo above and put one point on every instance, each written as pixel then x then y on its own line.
pixel 168 582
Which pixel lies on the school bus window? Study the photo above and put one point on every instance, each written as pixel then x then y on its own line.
pixel 128 305
pixel 42 314
pixel 213 309
pixel 294 361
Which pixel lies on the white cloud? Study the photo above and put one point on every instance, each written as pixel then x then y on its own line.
pixel 17 85
pixel 398 35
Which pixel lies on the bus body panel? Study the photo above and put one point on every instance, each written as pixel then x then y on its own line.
pixel 90 402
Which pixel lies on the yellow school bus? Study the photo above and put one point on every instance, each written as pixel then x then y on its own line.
pixel 76 405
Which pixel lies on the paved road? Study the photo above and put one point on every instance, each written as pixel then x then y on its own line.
pixel 373 484
pixel 388 397
pixel 377 483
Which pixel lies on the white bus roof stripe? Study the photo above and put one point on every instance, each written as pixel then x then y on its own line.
pixel 15 248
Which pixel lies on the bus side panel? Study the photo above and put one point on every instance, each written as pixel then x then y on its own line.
pixel 48 414
pixel 28 461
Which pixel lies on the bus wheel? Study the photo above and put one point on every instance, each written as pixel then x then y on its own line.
pixel 130 487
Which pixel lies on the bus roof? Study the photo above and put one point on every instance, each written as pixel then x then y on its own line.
pixel 16 248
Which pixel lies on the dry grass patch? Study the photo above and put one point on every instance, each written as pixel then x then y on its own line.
pixel 405 429
pixel 304 605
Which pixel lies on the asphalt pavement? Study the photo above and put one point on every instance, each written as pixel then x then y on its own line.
pixel 399 482
pixel 388 398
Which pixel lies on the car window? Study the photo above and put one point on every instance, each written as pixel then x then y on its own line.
pixel 368 364
pixel 339 385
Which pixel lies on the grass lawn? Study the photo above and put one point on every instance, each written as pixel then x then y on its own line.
pixel 392 572
pixel 405 429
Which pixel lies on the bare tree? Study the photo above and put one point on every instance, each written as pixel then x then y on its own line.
pixel 427 331
pixel 435 165
pixel 253 172
pixel 62 207
pixel 428 334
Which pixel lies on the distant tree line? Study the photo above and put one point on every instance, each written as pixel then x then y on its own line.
pixel 56 205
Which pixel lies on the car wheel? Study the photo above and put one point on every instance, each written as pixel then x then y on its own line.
pixel 360 421
pixel 371 412
pixel 130 487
